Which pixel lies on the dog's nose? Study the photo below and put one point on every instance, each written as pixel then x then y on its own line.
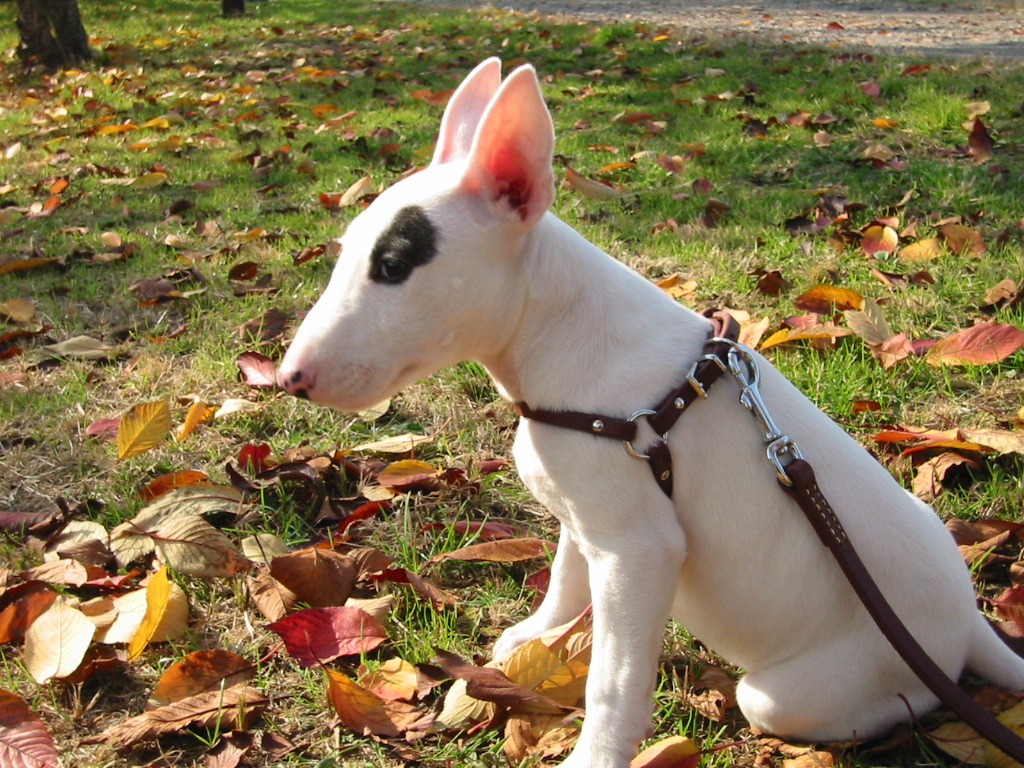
pixel 295 382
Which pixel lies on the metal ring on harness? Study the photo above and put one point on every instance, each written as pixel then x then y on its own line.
pixel 629 445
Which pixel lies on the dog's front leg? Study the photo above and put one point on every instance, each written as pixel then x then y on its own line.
pixel 568 595
pixel 633 578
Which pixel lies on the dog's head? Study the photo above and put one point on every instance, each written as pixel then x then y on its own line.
pixel 426 273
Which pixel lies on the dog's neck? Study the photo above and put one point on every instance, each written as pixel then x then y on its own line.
pixel 587 332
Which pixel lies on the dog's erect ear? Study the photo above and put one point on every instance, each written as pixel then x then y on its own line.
pixel 464 110
pixel 510 161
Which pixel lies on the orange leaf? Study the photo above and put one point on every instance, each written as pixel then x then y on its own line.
pixel 672 752
pixel 364 712
pixel 962 240
pixel 199 672
pixel 983 343
pixel 198 412
pixel 171 480
pixel 822 297
pixel 500 551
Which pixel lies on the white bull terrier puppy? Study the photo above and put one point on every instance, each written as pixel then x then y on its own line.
pixel 464 261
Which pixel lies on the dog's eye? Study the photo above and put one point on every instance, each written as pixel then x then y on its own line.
pixel 392 270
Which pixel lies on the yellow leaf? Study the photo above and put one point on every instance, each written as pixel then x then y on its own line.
pixel 926 248
pixel 166 613
pixel 148 180
pixel 590 188
pixel 108 129
pixel 357 191
pixel 884 122
pixel 668 753
pixel 397 444
pixel 18 310
pixel 198 412
pixel 142 428
pixel 56 642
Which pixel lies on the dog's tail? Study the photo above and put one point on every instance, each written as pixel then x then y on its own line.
pixel 992 657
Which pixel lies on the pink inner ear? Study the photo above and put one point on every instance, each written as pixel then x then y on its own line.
pixel 512 181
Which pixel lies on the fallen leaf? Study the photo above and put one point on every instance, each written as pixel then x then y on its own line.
pixel 257 369
pixel 56 642
pixel 962 240
pixel 200 672
pixel 671 752
pixel 821 298
pixel 198 412
pixel 597 190
pixel 82 348
pixel 192 546
pixel 25 741
pixel 879 239
pixel 158 486
pixel 165 616
pixel 987 342
pixel 230 709
pixel 18 310
pixel 500 551
pixel 319 577
pixel 926 248
pixel 316 636
pixel 365 713
pixel 142 428
pixel 397 444
pixel 979 143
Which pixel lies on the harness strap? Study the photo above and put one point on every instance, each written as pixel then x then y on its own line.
pixel 664 415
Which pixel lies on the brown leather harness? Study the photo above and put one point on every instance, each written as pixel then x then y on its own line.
pixel 722 354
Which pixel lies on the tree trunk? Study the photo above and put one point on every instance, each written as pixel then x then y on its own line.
pixel 232 7
pixel 52 33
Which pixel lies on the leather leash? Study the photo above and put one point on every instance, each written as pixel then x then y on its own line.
pixel 796 477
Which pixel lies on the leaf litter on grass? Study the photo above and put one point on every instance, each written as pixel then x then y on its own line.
pixel 129 176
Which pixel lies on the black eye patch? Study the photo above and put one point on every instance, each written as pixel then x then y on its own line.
pixel 410 241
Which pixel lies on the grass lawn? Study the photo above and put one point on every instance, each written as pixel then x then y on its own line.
pixel 175 205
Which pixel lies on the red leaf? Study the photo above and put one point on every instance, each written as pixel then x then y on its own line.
pixel 253 457
pixel 171 480
pixel 24 740
pixel 983 343
pixel 979 142
pixel 104 428
pixel 315 636
pixel 257 369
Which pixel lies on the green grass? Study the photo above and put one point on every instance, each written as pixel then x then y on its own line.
pixel 255 95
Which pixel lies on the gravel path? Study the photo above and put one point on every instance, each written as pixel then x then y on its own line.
pixel 919 28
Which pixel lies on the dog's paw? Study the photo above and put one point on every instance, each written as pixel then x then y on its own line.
pixel 512 638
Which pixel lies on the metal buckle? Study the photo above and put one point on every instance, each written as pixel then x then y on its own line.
pixel 628 445
pixel 691 377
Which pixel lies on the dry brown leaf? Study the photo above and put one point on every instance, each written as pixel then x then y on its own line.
pixel 192 546
pixel 230 709
pixel 200 672
pixel 319 577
